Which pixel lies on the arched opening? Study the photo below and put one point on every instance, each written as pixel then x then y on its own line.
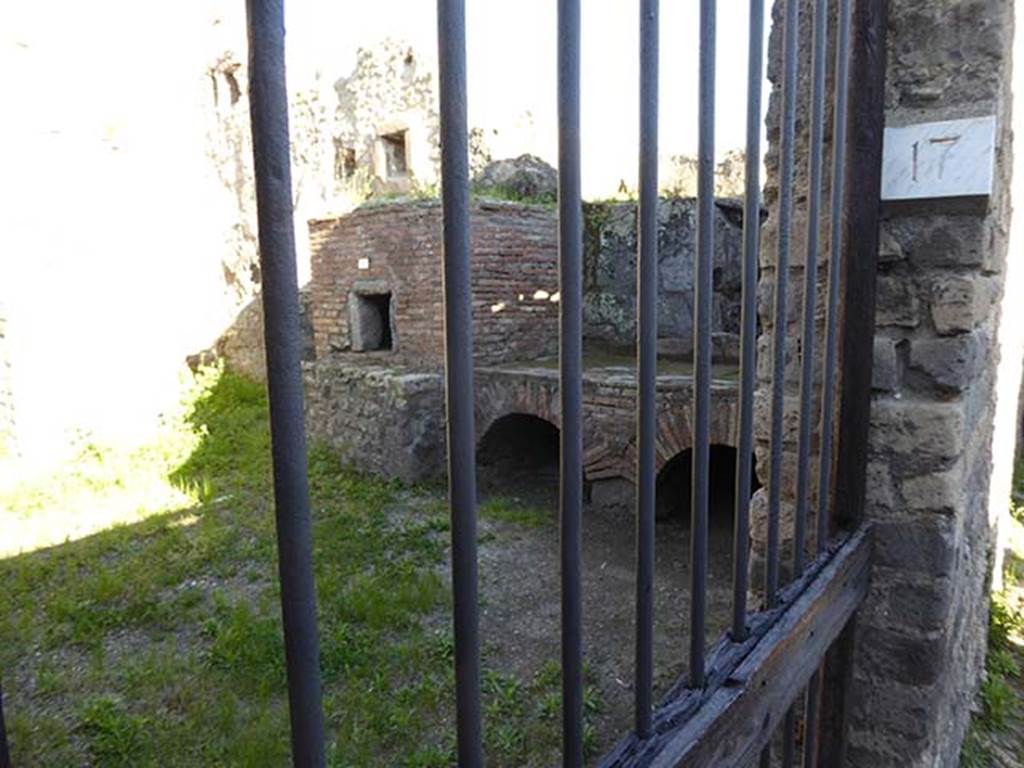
pixel 674 486
pixel 518 455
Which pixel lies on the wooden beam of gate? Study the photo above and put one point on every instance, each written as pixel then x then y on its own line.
pixel 739 718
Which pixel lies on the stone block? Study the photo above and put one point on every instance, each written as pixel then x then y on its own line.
pixel 938 492
pixel 915 660
pixel 901 707
pixel 917 545
pixel 897 302
pixel 898 600
pixel 889 249
pixel 949 363
pixel 918 436
pixel 885 373
pixel 881 495
pixel 953 303
pixel 941 241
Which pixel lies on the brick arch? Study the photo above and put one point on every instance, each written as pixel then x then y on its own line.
pixel 506 396
pixel 609 439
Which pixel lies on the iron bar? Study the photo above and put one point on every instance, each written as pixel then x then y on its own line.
pixel 789 738
pixel 269 114
pixel 811 720
pixel 825 456
pixel 702 343
pixel 858 236
pixel 748 322
pixel 766 757
pixel 842 79
pixel 570 265
pixel 458 333
pixel 647 364
pixel 815 161
pixel 787 151
pixel 5 754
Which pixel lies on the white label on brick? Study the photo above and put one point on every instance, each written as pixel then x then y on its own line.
pixel 364 263
pixel 951 158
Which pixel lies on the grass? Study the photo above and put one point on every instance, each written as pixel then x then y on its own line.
pixel 162 637
pixel 999 720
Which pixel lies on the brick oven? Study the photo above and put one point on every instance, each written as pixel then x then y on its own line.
pixel 376 284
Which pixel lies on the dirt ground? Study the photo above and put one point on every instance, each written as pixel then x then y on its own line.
pixel 520 595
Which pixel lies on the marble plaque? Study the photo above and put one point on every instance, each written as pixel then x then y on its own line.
pixel 951 158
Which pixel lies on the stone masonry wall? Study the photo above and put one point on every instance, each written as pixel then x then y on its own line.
pixel 515 279
pixel 241 345
pixel 609 263
pixel 921 633
pixel 384 421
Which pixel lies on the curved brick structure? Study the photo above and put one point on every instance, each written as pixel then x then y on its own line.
pixel 390 421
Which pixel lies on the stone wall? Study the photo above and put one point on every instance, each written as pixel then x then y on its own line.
pixel 241 346
pixel 385 421
pixel 515 280
pixel 390 420
pixel 921 634
pixel 609 309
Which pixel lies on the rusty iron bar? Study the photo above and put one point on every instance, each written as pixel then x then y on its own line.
pixel 570 266
pixel 459 389
pixel 815 163
pixel 269 114
pixel 748 323
pixel 839 149
pixel 703 284
pixel 5 753
pixel 790 52
pixel 647 365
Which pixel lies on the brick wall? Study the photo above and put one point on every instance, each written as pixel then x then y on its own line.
pixel 515 279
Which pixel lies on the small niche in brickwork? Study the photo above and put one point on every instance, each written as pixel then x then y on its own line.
pixel 369 318
pixel 395 159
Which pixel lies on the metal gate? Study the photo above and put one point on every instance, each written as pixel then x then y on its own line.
pixel 744 691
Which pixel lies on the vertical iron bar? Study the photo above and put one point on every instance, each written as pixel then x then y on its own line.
pixel 766 757
pixel 817 131
pixel 858 235
pixel 825 457
pixel 748 322
pixel 779 330
pixel 842 78
pixel 811 720
pixel 458 333
pixel 269 115
pixel 789 738
pixel 702 342
pixel 647 364
pixel 5 755
pixel 570 258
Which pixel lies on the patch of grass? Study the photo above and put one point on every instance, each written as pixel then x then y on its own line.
pixel 98 486
pixel 1001 702
pixel 115 737
pixel 163 637
pixel 508 195
pixel 514 511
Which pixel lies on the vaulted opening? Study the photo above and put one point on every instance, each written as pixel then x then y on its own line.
pixel 519 455
pixel 674 486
